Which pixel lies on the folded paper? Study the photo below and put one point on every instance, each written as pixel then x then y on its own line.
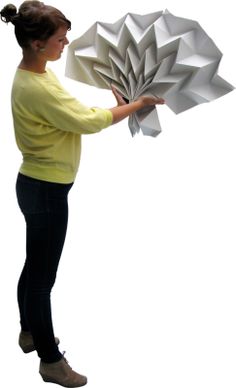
pixel 156 54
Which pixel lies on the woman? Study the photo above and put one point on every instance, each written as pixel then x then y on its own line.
pixel 48 125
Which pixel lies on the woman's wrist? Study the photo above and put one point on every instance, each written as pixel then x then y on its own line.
pixel 138 104
pixel 121 112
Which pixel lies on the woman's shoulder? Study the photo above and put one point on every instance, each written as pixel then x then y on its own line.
pixel 28 75
pixel 30 87
pixel 29 80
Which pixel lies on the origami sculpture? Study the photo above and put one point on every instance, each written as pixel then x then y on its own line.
pixel 155 54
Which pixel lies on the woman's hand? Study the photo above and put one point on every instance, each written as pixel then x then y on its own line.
pixel 119 99
pixel 124 110
pixel 145 100
pixel 150 100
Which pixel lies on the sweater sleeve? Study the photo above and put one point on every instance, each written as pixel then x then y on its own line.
pixel 58 109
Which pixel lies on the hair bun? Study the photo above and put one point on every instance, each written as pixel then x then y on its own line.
pixel 8 13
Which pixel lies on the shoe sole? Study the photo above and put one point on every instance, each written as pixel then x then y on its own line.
pixel 28 349
pixel 48 379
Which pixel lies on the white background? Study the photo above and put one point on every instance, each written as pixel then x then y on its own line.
pixel 145 294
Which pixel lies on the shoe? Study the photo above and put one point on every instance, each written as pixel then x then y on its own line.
pixel 26 341
pixel 61 373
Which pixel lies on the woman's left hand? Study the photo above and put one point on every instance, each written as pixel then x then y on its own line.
pixel 119 99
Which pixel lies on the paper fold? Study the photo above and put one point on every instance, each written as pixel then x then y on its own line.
pixel 158 54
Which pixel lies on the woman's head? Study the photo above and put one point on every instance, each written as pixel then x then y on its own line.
pixel 34 21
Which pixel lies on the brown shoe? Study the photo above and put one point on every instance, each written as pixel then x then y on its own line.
pixel 62 374
pixel 26 341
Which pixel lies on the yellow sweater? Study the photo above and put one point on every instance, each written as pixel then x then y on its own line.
pixel 48 126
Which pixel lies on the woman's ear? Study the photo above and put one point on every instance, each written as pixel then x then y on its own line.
pixel 37 45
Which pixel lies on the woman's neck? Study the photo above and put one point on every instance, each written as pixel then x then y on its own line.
pixel 32 63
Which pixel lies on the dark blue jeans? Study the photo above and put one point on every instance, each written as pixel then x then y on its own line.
pixel 45 208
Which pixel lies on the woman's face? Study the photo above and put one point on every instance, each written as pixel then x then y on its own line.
pixel 53 47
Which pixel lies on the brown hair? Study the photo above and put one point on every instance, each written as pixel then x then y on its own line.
pixel 33 21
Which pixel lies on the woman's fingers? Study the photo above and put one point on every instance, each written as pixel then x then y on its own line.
pixel 150 100
pixel 147 100
pixel 120 100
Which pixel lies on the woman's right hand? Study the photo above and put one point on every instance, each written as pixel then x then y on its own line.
pixel 151 100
